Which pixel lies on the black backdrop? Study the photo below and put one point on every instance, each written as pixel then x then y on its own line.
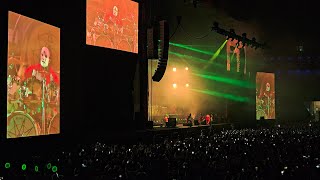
pixel 96 83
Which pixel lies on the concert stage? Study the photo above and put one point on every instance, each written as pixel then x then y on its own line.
pixel 160 132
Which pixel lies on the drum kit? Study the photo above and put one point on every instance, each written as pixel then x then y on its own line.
pixel 110 34
pixel 32 106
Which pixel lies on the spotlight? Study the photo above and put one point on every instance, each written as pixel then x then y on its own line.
pixel 174 69
pixel 187 85
pixel 174 85
pixel 187 68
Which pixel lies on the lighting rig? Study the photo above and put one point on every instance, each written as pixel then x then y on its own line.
pixel 232 35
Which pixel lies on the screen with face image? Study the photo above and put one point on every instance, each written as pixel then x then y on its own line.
pixel 265 96
pixel 112 24
pixel 33 77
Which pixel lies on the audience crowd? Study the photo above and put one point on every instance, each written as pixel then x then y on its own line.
pixel 290 152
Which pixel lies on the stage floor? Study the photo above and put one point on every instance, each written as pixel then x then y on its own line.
pixel 157 131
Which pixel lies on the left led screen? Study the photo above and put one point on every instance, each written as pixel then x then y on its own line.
pixel 33 77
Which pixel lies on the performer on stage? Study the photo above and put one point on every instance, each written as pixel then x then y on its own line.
pixel 207 118
pixel 166 118
pixel 189 119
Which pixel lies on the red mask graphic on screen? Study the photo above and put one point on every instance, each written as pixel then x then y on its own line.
pixel 113 16
pixel 42 70
pixel 45 57
pixel 268 87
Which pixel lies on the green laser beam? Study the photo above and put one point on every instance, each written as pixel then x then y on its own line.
pixel 216 54
pixel 191 48
pixel 223 95
pixel 195 59
pixel 240 83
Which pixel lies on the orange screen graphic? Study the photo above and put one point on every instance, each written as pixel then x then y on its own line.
pixel 33 77
pixel 265 95
pixel 112 24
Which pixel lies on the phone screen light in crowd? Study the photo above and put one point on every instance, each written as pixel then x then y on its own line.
pixel 24 167
pixel 7 165
pixel 36 168
pixel 54 169
pixel 49 166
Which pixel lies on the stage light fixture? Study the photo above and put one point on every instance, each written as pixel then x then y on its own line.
pixel 187 85
pixel 233 36
pixel 174 85
pixel 187 68
pixel 174 69
pixel 244 39
pixel 215 26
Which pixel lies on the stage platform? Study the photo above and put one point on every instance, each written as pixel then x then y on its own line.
pixel 161 132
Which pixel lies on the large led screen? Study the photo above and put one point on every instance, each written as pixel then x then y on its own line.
pixel 33 77
pixel 265 96
pixel 113 24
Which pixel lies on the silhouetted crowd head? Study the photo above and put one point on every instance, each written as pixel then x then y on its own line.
pixel 263 153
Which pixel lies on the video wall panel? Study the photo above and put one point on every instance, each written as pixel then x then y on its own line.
pixel 265 96
pixel 33 77
pixel 113 24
